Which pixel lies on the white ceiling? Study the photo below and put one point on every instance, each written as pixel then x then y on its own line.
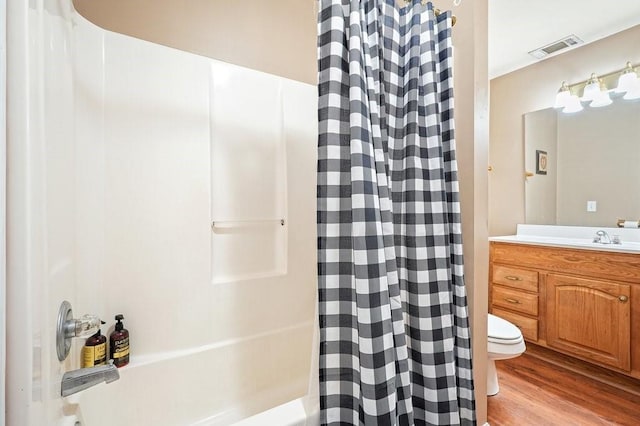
pixel 519 26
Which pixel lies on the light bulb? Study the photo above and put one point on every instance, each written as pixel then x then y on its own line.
pixel 591 90
pixel 562 98
pixel 601 100
pixel 628 80
pixel 573 105
pixel 632 94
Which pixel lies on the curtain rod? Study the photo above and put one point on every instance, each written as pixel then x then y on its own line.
pixel 436 11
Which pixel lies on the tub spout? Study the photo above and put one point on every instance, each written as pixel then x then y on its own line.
pixel 84 378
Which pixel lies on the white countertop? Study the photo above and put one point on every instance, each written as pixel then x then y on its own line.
pixel 580 237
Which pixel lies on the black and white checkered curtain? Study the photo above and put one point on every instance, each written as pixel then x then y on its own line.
pixel 394 329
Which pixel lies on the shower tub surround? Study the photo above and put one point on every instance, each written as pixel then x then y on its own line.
pixel 134 149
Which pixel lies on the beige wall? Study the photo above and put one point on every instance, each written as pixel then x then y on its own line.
pixel 472 138
pixel 285 44
pixel 530 89
pixel 275 36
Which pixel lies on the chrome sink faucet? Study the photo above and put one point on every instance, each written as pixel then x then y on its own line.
pixel 602 237
pixel 84 378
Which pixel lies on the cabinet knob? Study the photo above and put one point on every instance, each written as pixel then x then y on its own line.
pixel 514 301
pixel 623 298
pixel 513 278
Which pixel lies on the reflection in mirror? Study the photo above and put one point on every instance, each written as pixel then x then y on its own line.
pixel 592 165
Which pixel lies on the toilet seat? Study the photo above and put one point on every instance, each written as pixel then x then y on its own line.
pixel 505 341
pixel 502 332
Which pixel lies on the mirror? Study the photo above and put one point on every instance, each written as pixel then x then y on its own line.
pixel 583 168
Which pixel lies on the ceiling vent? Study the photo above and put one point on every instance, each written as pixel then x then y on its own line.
pixel 556 46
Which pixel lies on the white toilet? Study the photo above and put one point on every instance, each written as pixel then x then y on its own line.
pixel 505 341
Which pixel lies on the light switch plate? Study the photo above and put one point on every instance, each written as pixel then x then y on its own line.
pixel 591 206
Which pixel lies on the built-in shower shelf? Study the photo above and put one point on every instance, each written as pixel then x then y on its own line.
pixel 228 224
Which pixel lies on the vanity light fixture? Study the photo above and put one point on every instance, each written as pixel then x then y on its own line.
pixel 595 92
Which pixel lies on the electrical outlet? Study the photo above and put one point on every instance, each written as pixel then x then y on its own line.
pixel 592 206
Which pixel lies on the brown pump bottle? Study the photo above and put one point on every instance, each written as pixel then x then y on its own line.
pixel 119 344
pixel 94 351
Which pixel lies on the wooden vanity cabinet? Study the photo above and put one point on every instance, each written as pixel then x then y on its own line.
pixel 583 303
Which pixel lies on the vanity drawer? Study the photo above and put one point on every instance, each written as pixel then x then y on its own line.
pixel 515 277
pixel 526 303
pixel 528 326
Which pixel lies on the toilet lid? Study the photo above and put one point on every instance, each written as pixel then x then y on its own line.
pixel 502 330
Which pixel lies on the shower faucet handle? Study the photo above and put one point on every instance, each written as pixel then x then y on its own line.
pixel 85 326
pixel 69 327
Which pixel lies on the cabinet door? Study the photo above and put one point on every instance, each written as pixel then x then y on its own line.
pixel 590 319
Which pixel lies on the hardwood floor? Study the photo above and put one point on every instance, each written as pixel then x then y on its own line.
pixel 539 393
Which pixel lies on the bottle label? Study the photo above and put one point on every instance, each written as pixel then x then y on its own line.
pixel 120 351
pixel 94 355
pixel 87 356
pixel 121 348
pixel 100 356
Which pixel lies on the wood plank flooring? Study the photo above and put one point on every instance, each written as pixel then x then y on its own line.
pixel 539 393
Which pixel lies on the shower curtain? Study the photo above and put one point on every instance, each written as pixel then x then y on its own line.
pixel 394 331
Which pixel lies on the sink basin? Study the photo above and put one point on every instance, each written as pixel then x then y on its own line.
pixel 573 237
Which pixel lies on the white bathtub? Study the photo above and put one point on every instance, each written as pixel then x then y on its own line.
pixel 303 411
pixel 212 385
pixel 299 412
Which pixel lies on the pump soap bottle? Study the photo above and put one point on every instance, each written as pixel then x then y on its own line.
pixel 94 351
pixel 119 344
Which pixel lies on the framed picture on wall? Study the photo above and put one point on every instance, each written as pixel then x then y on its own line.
pixel 541 162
